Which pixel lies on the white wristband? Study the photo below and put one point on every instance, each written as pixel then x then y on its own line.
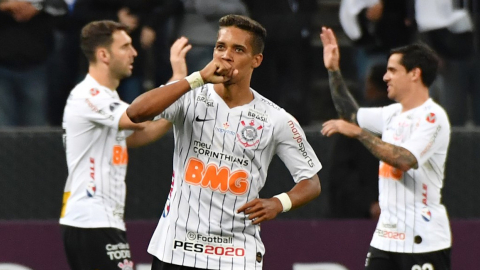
pixel 285 200
pixel 195 80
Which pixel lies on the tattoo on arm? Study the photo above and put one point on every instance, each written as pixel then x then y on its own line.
pixel 396 156
pixel 343 100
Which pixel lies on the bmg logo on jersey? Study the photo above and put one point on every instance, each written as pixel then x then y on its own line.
pixel 221 179
pixel 120 155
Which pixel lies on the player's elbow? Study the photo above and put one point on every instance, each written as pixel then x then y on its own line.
pixel 135 114
pixel 315 186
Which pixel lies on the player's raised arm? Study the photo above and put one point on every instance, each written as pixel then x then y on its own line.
pixel 344 102
pixel 259 210
pixel 152 103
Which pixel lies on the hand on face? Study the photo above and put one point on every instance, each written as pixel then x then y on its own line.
pixel 331 54
pixel 218 71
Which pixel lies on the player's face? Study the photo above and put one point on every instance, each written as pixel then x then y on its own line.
pixel 122 54
pixel 397 78
pixel 235 46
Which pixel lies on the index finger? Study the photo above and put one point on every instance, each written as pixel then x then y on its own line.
pixel 245 206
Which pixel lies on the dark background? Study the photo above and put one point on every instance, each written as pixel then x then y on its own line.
pixel 33 173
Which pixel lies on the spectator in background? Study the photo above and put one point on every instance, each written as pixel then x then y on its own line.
pixel 375 27
pixel 354 170
pixel 284 76
pixel 144 19
pixel 152 34
pixel 449 29
pixel 27 41
pixel 199 24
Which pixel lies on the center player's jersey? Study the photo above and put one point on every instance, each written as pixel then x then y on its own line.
pixel 413 219
pixel 220 162
pixel 94 194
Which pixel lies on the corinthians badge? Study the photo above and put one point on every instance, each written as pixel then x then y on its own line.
pixel 249 133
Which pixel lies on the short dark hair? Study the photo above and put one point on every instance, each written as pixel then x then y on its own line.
pixel 245 23
pixel 419 55
pixel 98 34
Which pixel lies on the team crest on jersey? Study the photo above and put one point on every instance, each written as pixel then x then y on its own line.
pixel 91 189
pixel 126 265
pixel 426 214
pixel 113 106
pixel 249 133
pixel 431 118
pixel 94 92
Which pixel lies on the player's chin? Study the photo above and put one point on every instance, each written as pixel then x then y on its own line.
pixel 229 82
pixel 127 74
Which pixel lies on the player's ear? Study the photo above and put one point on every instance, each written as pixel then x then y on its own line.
pixel 102 55
pixel 416 73
pixel 257 60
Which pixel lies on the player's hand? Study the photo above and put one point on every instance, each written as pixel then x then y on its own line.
pixel 178 52
pixel 340 126
pixel 260 210
pixel 218 71
pixel 331 54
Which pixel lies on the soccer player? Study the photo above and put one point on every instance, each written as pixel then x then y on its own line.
pixel 413 231
pixel 97 134
pixel 226 134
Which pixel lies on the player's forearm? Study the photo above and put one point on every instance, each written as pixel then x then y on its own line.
pixel 343 100
pixel 153 131
pixel 396 156
pixel 152 103
pixel 305 191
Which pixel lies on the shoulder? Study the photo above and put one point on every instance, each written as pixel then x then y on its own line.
pixel 433 113
pixel 85 89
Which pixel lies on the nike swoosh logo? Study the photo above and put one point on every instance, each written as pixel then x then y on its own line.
pixel 202 120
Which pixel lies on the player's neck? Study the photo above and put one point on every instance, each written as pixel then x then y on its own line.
pixel 103 77
pixel 234 95
pixel 415 99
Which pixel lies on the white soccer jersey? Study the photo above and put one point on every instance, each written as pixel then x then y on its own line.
pixel 413 219
pixel 220 163
pixel 96 157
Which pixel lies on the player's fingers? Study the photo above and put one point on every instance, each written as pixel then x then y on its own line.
pixel 185 49
pixel 327 35
pixel 330 35
pixel 259 220
pixel 246 206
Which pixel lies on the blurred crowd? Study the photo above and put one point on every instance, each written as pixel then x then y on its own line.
pixel 40 59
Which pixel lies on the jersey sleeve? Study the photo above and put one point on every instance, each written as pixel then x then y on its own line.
pixel 294 149
pixel 431 134
pixel 104 110
pixel 368 118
